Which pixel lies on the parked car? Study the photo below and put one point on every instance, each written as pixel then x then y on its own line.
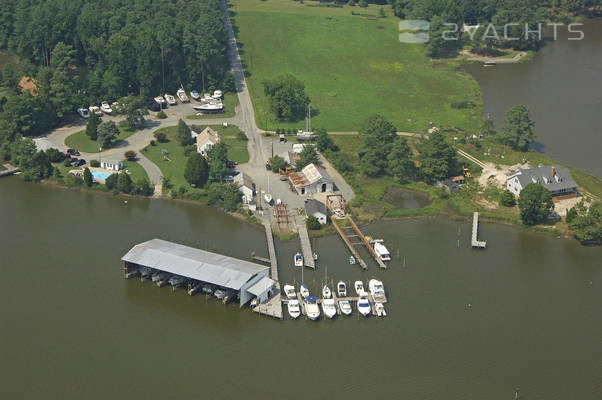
pixel 79 163
pixel 229 178
pixel 231 164
pixel 83 112
pixel 267 167
pixel 152 105
pixel 73 152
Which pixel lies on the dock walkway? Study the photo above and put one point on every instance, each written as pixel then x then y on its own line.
pixel 273 307
pixel 365 242
pixel 350 245
pixel 475 231
pixel 271 249
pixel 9 170
pixel 308 255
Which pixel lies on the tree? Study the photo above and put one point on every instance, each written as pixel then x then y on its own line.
pixel 92 126
pixel 586 223
pixel 535 204
pixel 111 181
pixel 231 197
pixel 517 130
pixel 88 177
pixel 134 110
pixel 54 155
pixel 323 141
pixel 40 166
pixel 312 223
pixel 378 134
pixel 130 155
pixel 373 163
pixel 217 158
pixel 197 170
pixel 437 157
pixel 184 134
pixel 160 136
pixel 144 188
pixel 400 160
pixel 441 44
pixel 124 183
pixel 277 163
pixel 63 91
pixel 507 199
pixel 308 155
pixel 287 98
pixel 106 133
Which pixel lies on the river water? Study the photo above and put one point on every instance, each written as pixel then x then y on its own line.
pixel 462 324
pixel 562 87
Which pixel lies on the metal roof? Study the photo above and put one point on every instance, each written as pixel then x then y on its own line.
pixel 262 286
pixel 193 263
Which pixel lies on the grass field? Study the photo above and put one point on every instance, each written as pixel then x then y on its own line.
pixel 81 142
pixel 137 173
pixel 230 104
pixel 353 66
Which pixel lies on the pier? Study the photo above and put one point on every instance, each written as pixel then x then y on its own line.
pixel 366 243
pixel 271 249
pixel 9 170
pixel 308 255
pixel 476 243
pixel 273 307
pixel 350 245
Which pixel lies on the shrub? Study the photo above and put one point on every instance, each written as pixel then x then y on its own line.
pixel 312 223
pixel 94 163
pixel 152 143
pixel 111 182
pixel 161 115
pixel 67 162
pixel 88 177
pixel 507 199
pixel 160 136
pixel 130 155
pixel 242 136
pixel 54 155
pixel 144 188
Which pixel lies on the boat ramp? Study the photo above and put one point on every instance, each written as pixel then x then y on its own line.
pixel 476 243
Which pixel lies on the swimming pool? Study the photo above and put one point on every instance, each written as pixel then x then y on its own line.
pixel 100 175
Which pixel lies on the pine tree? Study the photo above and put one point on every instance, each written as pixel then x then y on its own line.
pixel 92 126
pixel 88 177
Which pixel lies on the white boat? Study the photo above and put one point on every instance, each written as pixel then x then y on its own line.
pixel 311 308
pixel 195 95
pixel 298 260
pixel 351 260
pixel 161 101
pixel 359 288
pixel 380 309
pixel 106 108
pixel 294 310
pixel 207 289
pixel 176 281
pixel 304 291
pixel 363 306
pixel 220 294
pixel 315 256
pixel 217 94
pixel 182 95
pixel 254 302
pixel 170 99
pixel 145 272
pixel 207 98
pixel 377 290
pixel 329 308
pixel 289 291
pixel 342 289
pixel 326 293
pixel 83 112
pixel 212 107
pixel 345 307
pixel 381 250
pixel 95 110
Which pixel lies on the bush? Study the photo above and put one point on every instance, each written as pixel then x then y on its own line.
pixel 124 183
pixel 94 163
pixel 125 125
pixel 144 188
pixel 88 177
pixel 160 136
pixel 152 143
pixel 312 223
pixel 130 155
pixel 242 136
pixel 111 182
pixel 67 162
pixel 507 199
pixel 161 115
pixel 277 163
pixel 54 155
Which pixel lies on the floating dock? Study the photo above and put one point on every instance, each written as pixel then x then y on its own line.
pixel 308 255
pixel 475 232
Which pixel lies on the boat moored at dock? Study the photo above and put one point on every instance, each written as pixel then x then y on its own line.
pixel 329 308
pixel 311 308
pixel 377 290
pixel 359 288
pixel 342 289
pixel 298 260
pixel 294 309
pixel 363 306
pixel 380 309
pixel 345 306
pixel 289 291
pixel 304 291
pixel 326 293
pixel 381 251
pixel 176 280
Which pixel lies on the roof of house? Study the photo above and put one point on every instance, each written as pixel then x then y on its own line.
pixel 313 206
pixel 208 135
pixel 262 286
pixel 290 157
pixel 193 263
pixel 243 179
pixel 553 177
pixel 309 175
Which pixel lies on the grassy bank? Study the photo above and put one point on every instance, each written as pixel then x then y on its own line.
pixel 137 173
pixel 230 104
pixel 81 142
pixel 352 66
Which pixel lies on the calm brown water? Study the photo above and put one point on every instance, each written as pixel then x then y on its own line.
pixel 562 86
pixel 73 328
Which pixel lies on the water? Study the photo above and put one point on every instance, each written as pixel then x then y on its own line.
pixel 405 198
pixel 72 327
pixel 100 175
pixel 562 87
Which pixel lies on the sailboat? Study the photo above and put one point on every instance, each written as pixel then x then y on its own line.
pixel 267 196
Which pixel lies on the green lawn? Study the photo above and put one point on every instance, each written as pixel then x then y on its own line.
pixel 352 66
pixel 137 173
pixel 230 104
pixel 81 142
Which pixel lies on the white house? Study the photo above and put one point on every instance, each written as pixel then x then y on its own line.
pixel 557 180
pixel 311 180
pixel 317 209
pixel 245 185
pixel 112 165
pixel 206 140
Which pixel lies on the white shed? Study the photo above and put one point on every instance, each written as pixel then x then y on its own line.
pixel 111 165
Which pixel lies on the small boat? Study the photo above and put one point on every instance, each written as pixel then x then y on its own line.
pixel 329 308
pixel 363 306
pixel 380 309
pixel 312 308
pixel 289 291
pixel 161 101
pixel 207 289
pixel 381 251
pixel 170 99
pixel 345 307
pixel 106 108
pixel 195 95
pixel 351 260
pixel 268 198
pixel 342 289
pixel 176 281
pixel 207 98
pixel 155 276
pixel 359 288
pixel 254 302
pixel 489 64
pixel 304 291
pixel 377 290
pixel 294 310
pixel 298 260
pixel 217 94
pixel 181 93
pixel 145 272
pixel 83 112
pixel 315 256
pixel 220 294
pixel 95 110
pixel 212 107
pixel 326 293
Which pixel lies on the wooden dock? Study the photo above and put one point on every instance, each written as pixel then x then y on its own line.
pixel 9 170
pixel 271 249
pixel 366 243
pixel 476 243
pixel 350 245
pixel 273 307
pixel 308 255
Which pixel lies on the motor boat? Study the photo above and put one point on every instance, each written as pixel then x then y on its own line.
pixel 161 101
pixel 155 276
pixel 220 294
pixel 351 260
pixel 212 107
pixel 363 306
pixel 268 198
pixel 207 289
pixel 298 260
pixel 342 289
pixel 294 309
pixel 315 256
pixel 162 278
pixel 195 95
pixel 359 288
pixel 345 307
pixel 207 98
pixel 381 251
pixel 380 309
pixel 254 302
pixel 304 291
pixel 289 291
pixel 170 99
pixel 181 93
pixel 176 281
pixel 95 110
pixel 376 288
pixel 106 108
pixel 312 308
pixel 329 308
pixel 217 94
pixel 326 293
pixel 145 272
pixel 83 112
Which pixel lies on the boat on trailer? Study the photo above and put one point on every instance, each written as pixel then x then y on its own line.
pixel 181 93
pixel 170 99
pixel 106 108
pixel 213 107
pixel 217 94
pixel 161 101
pixel 195 94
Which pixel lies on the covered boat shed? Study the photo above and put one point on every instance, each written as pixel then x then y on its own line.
pixel 198 265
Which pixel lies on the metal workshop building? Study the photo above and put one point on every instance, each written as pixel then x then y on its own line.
pixel 248 279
